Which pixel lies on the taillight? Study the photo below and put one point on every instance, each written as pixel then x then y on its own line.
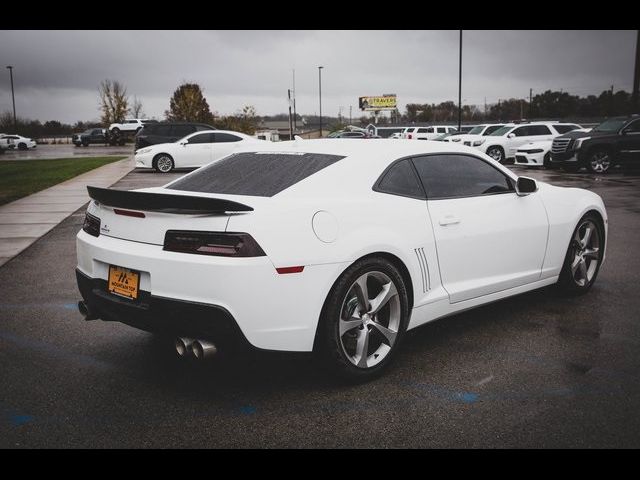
pixel 220 244
pixel 91 225
pixel 409 136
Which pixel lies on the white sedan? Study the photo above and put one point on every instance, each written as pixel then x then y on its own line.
pixel 194 150
pixel 299 246
pixel 534 154
pixel 17 142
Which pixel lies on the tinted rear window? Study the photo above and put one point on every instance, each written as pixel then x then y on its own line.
pixel 261 174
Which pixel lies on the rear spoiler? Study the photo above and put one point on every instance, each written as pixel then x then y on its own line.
pixel 163 202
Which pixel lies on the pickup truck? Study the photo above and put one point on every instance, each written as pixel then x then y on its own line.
pixel 86 138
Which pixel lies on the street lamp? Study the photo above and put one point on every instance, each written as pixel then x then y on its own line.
pixel 15 123
pixel 320 94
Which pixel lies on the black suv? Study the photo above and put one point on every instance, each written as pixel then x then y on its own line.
pixel 166 132
pixel 93 135
pixel 614 141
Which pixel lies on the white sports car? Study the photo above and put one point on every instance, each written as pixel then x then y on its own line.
pixel 194 150
pixel 332 246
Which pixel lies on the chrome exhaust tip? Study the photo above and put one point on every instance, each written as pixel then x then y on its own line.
pixel 203 349
pixel 183 346
pixel 86 312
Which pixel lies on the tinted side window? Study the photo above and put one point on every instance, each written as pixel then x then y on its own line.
pixel 401 179
pixel 447 176
pixel 521 132
pixel 226 137
pixel 539 130
pixel 160 130
pixel 442 130
pixel 491 129
pixel 202 138
pixel 182 130
pixel 423 130
pixel 633 127
pixel 565 128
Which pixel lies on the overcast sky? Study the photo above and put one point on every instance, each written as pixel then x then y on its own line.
pixel 57 73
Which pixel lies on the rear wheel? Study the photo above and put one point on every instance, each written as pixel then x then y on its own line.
pixel 363 319
pixel 599 161
pixel 163 163
pixel 584 256
pixel 497 153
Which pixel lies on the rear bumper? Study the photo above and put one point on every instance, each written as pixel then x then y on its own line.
pixel 158 314
pixel 272 311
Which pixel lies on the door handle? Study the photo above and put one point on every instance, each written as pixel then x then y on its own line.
pixel 449 220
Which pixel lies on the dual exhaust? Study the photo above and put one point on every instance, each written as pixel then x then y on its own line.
pixel 200 349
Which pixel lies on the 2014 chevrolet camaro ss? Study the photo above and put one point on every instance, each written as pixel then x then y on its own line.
pixel 332 246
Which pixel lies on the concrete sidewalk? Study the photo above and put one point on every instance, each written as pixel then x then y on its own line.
pixel 26 220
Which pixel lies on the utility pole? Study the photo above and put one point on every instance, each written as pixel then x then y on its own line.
pixel 320 95
pixel 350 114
pixel 636 77
pixel 530 102
pixel 460 85
pixel 295 125
pixel 290 121
pixel 13 98
pixel 521 108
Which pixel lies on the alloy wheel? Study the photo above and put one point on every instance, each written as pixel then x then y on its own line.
pixel 369 319
pixel 600 162
pixel 164 163
pixel 495 153
pixel 586 253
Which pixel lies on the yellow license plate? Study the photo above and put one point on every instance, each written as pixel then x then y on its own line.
pixel 124 282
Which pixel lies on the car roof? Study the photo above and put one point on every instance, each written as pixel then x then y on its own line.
pixel 364 160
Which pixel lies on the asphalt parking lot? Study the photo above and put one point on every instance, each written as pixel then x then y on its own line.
pixel 48 152
pixel 536 370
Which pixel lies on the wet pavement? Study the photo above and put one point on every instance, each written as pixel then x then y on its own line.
pixel 537 370
pixel 48 152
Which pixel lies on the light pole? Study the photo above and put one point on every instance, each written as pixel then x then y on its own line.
pixel 460 85
pixel 13 97
pixel 320 95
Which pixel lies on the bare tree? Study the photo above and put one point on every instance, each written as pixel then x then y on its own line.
pixel 114 101
pixel 136 108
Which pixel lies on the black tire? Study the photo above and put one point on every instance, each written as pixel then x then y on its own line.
pixel 600 160
pixel 329 346
pixel 115 131
pixel 22 146
pixel 497 153
pixel 567 283
pixel 546 161
pixel 85 144
pixel 162 167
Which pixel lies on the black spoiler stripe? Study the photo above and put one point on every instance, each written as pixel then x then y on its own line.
pixel 164 202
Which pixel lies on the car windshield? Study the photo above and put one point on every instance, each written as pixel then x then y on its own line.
pixel 501 131
pixel 476 130
pixel 611 125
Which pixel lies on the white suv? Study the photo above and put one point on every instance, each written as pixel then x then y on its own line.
pixel 427 133
pixel 129 125
pixel 503 143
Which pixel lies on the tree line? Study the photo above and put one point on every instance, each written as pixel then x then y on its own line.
pixel 549 104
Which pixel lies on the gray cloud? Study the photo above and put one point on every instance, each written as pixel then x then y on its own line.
pixel 57 73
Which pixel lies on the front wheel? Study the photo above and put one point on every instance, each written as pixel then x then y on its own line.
pixel 163 163
pixel 584 256
pixel 363 319
pixel 546 161
pixel 22 146
pixel 599 161
pixel 496 153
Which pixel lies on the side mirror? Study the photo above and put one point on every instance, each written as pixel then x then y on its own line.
pixel 511 135
pixel 525 186
pixel 184 143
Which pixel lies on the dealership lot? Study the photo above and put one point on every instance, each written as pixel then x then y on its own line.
pixel 536 370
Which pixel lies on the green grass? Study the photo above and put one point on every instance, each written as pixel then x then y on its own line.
pixel 19 178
